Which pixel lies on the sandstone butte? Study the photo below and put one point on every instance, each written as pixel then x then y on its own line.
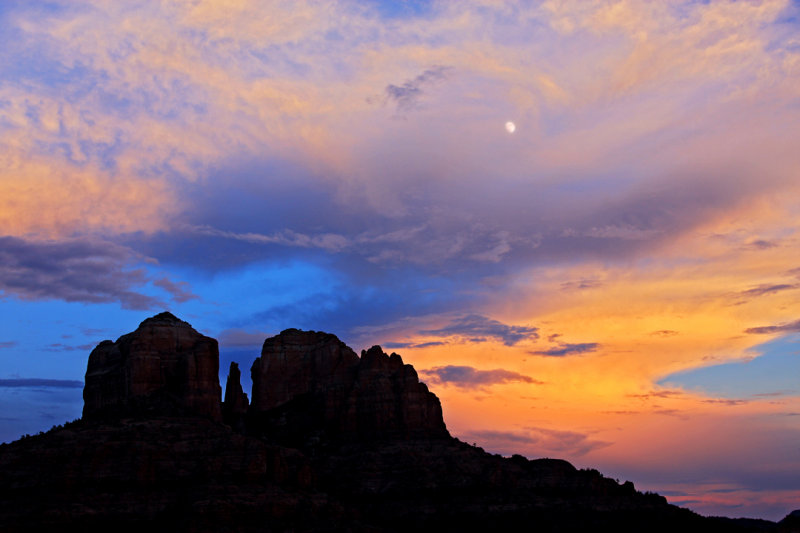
pixel 330 442
pixel 306 385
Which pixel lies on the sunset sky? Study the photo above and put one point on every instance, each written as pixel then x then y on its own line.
pixel 616 282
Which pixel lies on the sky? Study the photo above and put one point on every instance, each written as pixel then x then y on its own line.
pixel 614 283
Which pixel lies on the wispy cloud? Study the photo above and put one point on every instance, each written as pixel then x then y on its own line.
pixel 664 333
pixel 394 345
pixel 725 401
pixel 41 383
pixel 769 289
pixel 329 241
pixel 582 284
pixel 761 244
pixel 569 349
pixel 240 337
pixel 60 347
pixel 408 95
pixel 791 327
pixel 478 328
pixel 469 377
pixel 180 291
pixel 537 442
pixel 661 393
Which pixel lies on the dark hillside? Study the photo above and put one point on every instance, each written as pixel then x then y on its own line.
pixel 331 442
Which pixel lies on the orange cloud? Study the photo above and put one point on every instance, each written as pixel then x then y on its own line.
pixel 48 198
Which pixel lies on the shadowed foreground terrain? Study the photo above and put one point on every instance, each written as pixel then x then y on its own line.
pixel 331 441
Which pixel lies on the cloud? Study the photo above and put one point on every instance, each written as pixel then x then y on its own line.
pixel 469 377
pixel 41 383
pixel 503 436
pixel 8 344
pixel 535 441
pixel 329 241
pixel 229 100
pixel 569 349
pixel 581 284
pixel 479 328
pixel 671 412
pixel 761 244
pixel 60 347
pixel 240 337
pixel 81 270
pixel 495 253
pixel 393 345
pixel 791 327
pixel 723 401
pixel 179 291
pixel 770 394
pixel 97 332
pixel 664 333
pixel 429 344
pixel 78 270
pixel 663 393
pixel 407 96
pixel 768 289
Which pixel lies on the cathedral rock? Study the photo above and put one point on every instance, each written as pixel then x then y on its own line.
pixel 310 385
pixel 165 366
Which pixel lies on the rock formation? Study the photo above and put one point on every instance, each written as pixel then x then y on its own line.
pixel 387 398
pixel 163 366
pixel 234 408
pixel 309 386
pixel 298 362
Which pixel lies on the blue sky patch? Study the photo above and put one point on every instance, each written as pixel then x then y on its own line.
pixel 775 371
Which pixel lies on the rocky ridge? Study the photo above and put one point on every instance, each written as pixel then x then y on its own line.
pixel 331 442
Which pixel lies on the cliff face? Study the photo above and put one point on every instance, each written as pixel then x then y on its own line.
pixel 163 366
pixel 309 386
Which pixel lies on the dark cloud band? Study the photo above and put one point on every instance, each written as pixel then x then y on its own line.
pixel 41 383
pixel 478 328
pixel 469 377
pixel 791 327
pixel 569 349
pixel 80 270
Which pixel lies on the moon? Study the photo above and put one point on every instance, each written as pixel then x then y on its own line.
pixel 510 127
